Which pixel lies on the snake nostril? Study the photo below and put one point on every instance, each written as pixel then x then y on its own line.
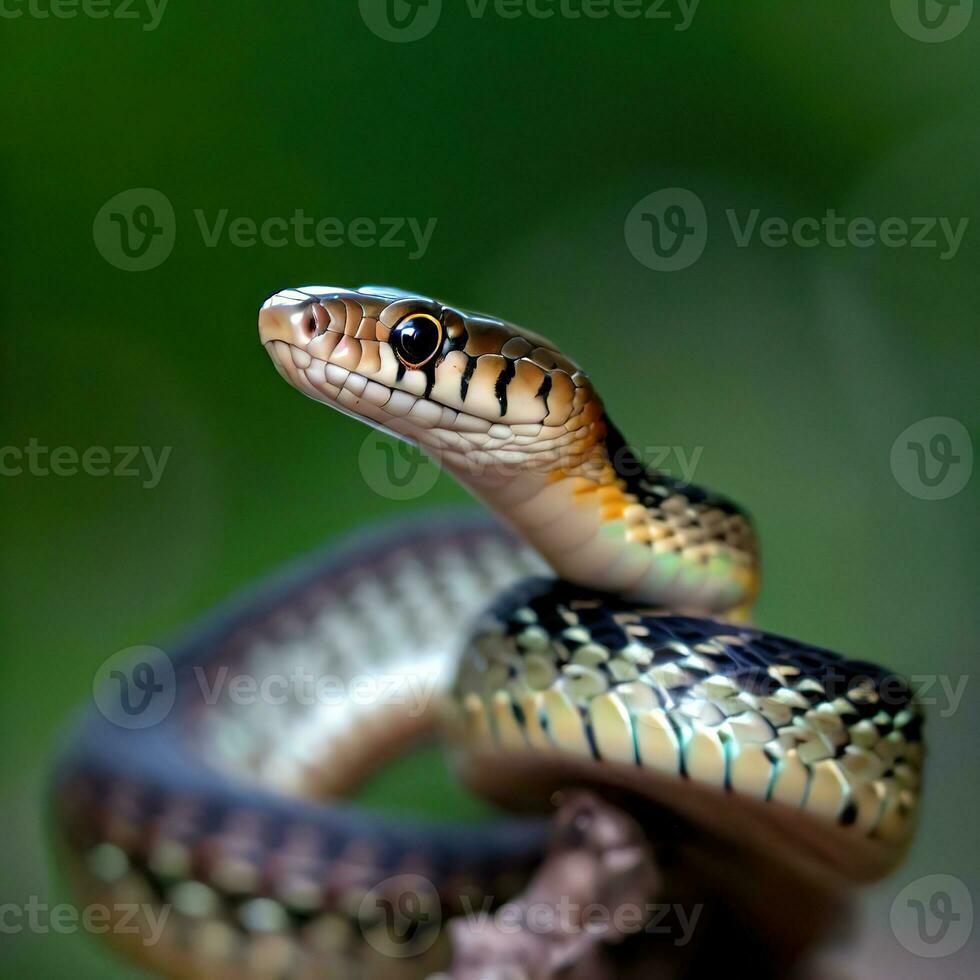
pixel 317 322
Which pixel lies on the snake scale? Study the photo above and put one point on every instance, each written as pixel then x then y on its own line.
pixel 608 644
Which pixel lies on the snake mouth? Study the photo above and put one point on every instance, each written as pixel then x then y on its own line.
pixel 401 412
pixel 355 394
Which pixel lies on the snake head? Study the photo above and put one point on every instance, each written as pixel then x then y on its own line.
pixel 472 390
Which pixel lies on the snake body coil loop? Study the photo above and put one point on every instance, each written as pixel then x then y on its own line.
pixel 633 668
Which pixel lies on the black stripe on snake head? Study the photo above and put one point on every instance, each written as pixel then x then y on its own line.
pixel 503 380
pixel 464 381
pixel 429 370
pixel 544 391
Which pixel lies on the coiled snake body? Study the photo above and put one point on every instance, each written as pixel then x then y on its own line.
pixel 632 669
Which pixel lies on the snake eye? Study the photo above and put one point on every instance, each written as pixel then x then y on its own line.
pixel 416 339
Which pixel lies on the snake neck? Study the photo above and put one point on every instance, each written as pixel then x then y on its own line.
pixel 606 521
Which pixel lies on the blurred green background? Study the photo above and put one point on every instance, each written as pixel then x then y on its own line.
pixel 790 371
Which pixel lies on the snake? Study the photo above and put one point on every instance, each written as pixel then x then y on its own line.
pixel 589 624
